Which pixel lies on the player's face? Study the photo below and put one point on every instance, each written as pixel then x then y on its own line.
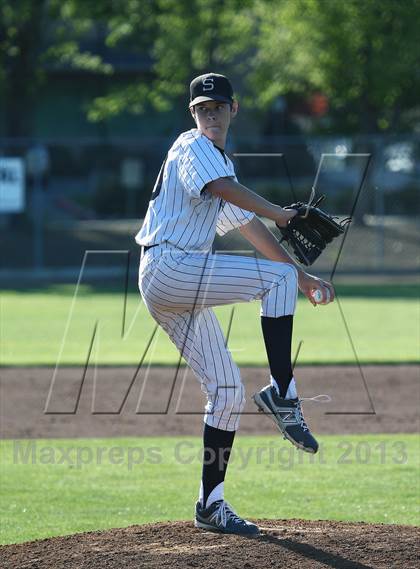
pixel 213 119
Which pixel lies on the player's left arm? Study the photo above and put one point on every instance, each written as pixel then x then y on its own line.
pixel 258 234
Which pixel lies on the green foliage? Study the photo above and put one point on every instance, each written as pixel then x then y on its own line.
pixel 132 97
pixel 183 39
pixel 34 34
pixel 363 55
pixel 19 30
pixel 68 53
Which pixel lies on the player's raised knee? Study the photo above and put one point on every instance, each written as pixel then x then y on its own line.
pixel 287 271
pixel 293 271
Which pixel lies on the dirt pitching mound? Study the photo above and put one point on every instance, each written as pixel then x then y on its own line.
pixel 283 543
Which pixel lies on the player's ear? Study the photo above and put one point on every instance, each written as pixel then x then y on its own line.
pixel 192 111
pixel 234 109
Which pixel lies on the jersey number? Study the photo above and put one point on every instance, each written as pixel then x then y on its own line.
pixel 158 183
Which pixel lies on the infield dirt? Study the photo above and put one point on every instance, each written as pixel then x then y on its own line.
pixel 295 544
pixel 374 399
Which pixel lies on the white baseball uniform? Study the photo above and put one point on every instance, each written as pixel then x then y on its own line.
pixel 180 279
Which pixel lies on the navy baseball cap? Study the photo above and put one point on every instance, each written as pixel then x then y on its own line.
pixel 210 87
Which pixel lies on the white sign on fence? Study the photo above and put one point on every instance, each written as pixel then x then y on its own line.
pixel 12 185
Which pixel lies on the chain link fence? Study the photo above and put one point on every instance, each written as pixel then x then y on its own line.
pixel 83 195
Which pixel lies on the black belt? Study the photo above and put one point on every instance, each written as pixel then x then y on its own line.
pixel 146 247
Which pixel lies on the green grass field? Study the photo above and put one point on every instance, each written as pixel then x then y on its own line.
pixel 69 486
pixel 382 322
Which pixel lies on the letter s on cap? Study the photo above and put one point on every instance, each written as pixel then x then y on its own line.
pixel 208 84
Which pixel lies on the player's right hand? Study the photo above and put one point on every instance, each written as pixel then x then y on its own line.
pixel 308 283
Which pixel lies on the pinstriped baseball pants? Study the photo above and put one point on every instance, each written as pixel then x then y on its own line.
pixel 180 288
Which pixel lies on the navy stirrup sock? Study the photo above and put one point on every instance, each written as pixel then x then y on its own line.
pixel 277 334
pixel 217 447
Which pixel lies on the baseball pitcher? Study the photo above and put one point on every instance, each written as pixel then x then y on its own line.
pixel 197 194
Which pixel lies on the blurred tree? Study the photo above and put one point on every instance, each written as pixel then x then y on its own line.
pixel 20 37
pixel 183 38
pixel 34 34
pixel 365 56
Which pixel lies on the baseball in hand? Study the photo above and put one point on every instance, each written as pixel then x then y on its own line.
pixel 321 296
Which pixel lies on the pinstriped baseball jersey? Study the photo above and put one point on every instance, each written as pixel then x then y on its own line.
pixel 181 213
pixel 180 280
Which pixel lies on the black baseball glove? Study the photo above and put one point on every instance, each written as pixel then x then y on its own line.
pixel 309 232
